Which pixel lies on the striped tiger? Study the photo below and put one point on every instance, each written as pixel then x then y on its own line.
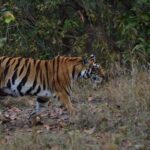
pixel 45 78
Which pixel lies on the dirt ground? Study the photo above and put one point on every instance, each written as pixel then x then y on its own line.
pixel 109 118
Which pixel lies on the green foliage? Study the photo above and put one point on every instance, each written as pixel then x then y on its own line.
pixel 2 42
pixel 45 28
pixel 8 17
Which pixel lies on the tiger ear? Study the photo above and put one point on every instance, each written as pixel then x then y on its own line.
pixel 92 59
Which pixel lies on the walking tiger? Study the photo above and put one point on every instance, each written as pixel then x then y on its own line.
pixel 45 78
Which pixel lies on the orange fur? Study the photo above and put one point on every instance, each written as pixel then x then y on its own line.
pixel 23 76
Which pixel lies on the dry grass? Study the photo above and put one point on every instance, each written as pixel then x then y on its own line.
pixel 114 116
pixel 35 141
pixel 122 108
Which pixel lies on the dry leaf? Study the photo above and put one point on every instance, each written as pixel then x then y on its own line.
pixel 46 126
pixel 90 131
pixel 62 124
pixel 14 109
pixel 90 98
pixel 39 131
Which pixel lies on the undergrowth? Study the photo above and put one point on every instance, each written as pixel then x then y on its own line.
pixel 113 116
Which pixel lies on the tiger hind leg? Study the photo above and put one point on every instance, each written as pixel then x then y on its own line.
pixel 41 104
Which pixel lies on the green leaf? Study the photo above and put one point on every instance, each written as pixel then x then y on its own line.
pixel 8 17
pixel 138 47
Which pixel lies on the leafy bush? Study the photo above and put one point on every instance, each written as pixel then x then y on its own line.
pixel 113 30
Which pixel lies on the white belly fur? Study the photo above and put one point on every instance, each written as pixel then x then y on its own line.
pixel 45 93
pixel 14 91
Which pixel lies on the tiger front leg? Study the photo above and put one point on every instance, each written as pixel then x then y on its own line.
pixel 66 100
pixel 41 104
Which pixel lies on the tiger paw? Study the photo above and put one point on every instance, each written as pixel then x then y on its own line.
pixel 36 113
pixel 73 111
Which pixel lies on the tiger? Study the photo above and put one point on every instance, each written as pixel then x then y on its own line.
pixel 44 79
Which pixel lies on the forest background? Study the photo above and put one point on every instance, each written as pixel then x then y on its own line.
pixel 114 30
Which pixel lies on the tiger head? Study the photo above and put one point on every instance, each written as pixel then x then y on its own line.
pixel 86 68
pixel 96 70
